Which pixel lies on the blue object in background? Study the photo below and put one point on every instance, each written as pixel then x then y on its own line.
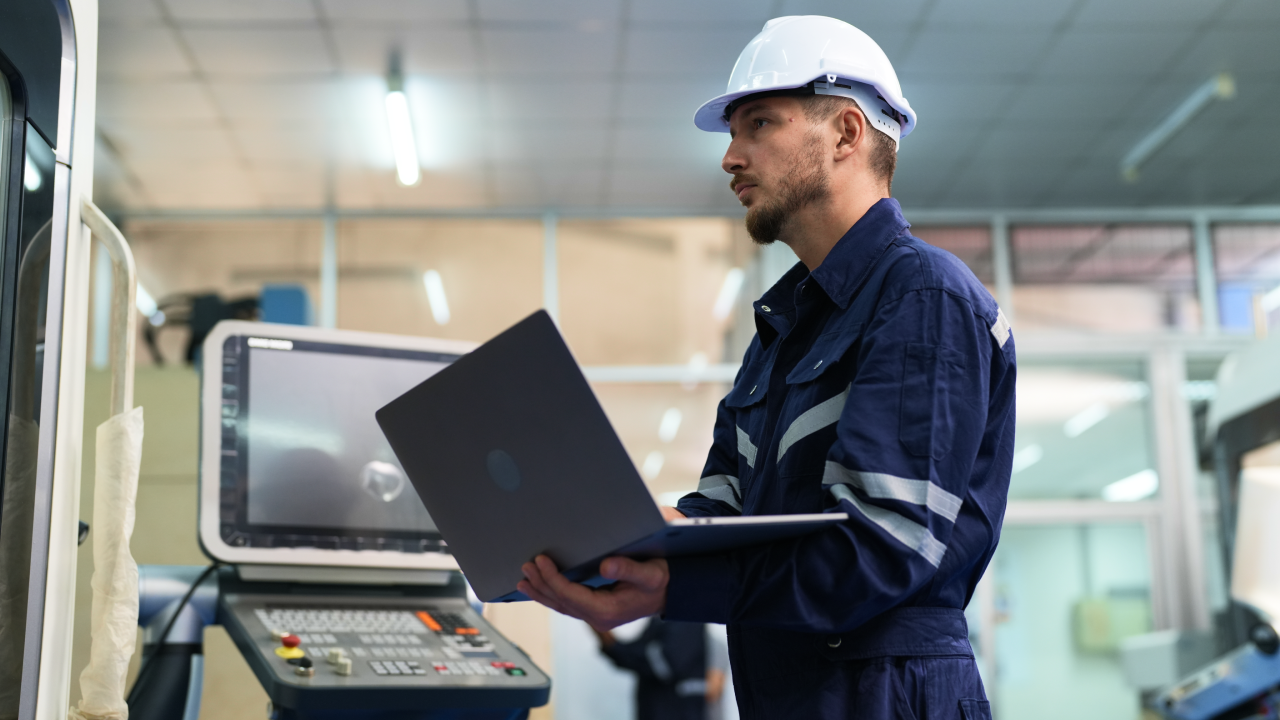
pixel 285 304
pixel 1235 307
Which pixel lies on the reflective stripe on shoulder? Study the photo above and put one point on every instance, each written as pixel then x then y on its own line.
pixel 912 534
pixel 725 488
pixel 745 447
pixel 1001 330
pixel 657 660
pixel 888 487
pixel 812 420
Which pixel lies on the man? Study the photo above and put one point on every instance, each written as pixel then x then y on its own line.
pixel 670 663
pixel 880 384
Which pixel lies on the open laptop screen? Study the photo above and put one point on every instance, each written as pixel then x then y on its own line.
pixel 304 463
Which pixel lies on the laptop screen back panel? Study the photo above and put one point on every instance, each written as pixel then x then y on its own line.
pixel 513 456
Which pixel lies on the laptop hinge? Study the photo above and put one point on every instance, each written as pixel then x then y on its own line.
pixel 343 575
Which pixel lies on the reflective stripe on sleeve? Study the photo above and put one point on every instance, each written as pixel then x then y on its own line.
pixel 745 447
pixel 657 661
pixel 913 535
pixel 1001 330
pixel 888 487
pixel 725 488
pixel 691 687
pixel 812 420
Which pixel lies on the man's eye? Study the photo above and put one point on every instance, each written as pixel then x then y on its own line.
pixel 759 123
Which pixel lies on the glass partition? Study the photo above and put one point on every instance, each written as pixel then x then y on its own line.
pixel 1105 278
pixel 972 244
pixel 1064 598
pixel 21 490
pixel 648 292
pixel 1083 432
pixel 459 279
pixel 1248 265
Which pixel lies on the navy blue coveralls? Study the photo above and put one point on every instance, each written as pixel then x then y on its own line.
pixel 670 663
pixel 880 385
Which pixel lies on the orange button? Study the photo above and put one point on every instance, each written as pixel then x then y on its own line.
pixel 466 631
pixel 429 621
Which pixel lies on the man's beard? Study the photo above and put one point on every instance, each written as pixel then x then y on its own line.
pixel 806 183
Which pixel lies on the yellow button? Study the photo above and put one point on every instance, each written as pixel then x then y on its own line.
pixel 289 653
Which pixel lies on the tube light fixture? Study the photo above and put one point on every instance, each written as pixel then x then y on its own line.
pixel 435 296
pixel 401 126
pixel 144 302
pixel 1138 486
pixel 31 178
pixel 1026 457
pixel 652 465
pixel 728 293
pixel 670 424
pixel 1222 87
pixel 1085 419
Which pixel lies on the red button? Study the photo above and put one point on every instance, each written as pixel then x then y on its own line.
pixel 290 641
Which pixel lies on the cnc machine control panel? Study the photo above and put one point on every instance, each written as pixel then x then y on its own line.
pixel 425 650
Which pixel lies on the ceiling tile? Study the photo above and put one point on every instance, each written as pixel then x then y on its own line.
pixel 870 17
pixel 240 11
pixel 159 100
pixel 138 52
pixel 260 52
pixel 287 100
pixel 396 12
pixel 1053 103
pixel 1148 13
pixel 972 54
pixel 545 101
pixel 551 11
pixel 127 10
pixel 658 187
pixel 548 54
pixel 174 142
pixel 1247 52
pixel 664 99
pixel 752 13
pixel 424 51
pixel 947 102
pixel 954 15
pixel 684 52
pixel 1113 55
pixel 548 144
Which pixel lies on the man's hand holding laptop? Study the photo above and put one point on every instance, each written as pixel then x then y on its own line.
pixel 639 590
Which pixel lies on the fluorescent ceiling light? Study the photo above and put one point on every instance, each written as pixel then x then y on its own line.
pixel 435 296
pixel 697 365
pixel 652 465
pixel 144 302
pixel 31 178
pixel 402 144
pixel 1026 457
pixel 728 293
pixel 1138 486
pixel 1222 86
pixel 1085 419
pixel 670 425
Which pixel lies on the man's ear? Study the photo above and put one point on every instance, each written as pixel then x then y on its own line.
pixel 851 126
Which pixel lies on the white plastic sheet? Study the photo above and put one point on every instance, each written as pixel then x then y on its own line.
pixel 114 623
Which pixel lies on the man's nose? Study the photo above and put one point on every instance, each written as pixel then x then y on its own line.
pixel 733 161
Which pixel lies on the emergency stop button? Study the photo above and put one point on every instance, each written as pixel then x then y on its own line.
pixel 289 649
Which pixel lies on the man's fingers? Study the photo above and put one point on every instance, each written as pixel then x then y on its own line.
pixel 647 574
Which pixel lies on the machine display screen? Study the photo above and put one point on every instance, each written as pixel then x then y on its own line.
pixel 304 463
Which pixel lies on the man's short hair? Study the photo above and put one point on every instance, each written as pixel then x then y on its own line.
pixel 884 151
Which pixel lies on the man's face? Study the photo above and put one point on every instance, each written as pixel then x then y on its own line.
pixel 777 161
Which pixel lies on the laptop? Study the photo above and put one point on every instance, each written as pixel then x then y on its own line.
pixel 513 456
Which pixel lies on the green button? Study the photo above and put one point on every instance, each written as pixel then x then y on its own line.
pixel 515 671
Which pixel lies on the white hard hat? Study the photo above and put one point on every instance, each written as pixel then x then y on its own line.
pixel 815 55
